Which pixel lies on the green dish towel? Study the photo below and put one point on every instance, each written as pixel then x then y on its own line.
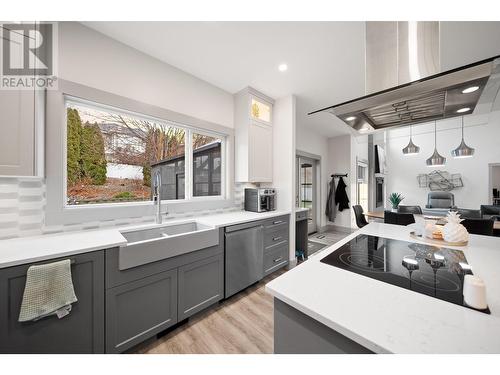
pixel 48 291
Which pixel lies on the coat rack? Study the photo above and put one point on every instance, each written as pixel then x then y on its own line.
pixel 338 175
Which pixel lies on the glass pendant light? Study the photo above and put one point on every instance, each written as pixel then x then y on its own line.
pixel 462 151
pixel 435 160
pixel 411 148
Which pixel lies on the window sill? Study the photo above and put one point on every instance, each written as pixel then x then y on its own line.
pixel 107 212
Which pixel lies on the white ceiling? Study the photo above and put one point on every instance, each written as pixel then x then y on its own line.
pixel 325 59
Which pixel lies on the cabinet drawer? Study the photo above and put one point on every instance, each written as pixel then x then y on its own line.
pixel 276 222
pixel 275 258
pixel 82 331
pixel 138 310
pixel 201 284
pixel 302 215
pixel 276 236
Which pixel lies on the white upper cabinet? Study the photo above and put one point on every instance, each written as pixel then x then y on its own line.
pixel 16 142
pixel 260 153
pixel 21 123
pixel 21 143
pixel 253 119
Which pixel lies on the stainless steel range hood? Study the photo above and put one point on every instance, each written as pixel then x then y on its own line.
pixel 452 93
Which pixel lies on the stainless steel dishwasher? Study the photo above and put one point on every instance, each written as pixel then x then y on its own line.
pixel 244 256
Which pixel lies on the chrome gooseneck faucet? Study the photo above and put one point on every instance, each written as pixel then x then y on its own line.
pixel 157 195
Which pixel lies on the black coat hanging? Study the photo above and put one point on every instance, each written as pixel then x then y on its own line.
pixel 341 197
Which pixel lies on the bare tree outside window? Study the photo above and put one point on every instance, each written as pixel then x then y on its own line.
pixel 128 148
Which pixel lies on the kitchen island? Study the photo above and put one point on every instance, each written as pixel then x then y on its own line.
pixel 325 309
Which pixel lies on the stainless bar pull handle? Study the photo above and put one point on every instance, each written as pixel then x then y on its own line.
pixel 277 259
pixel 277 222
pixel 277 238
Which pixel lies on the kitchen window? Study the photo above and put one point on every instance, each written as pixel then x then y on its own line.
pixel 207 165
pixel 112 154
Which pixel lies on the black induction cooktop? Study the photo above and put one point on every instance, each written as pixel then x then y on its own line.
pixel 435 271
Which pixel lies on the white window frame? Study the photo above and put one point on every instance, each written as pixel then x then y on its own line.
pixel 59 212
pixel 188 153
pixel 189 190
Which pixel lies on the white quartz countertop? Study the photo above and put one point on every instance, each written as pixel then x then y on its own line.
pixel 301 209
pixel 238 217
pixel 388 319
pixel 24 250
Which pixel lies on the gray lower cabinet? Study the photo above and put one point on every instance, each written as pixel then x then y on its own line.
pixel 139 310
pixel 79 332
pixel 276 244
pixel 201 284
pixel 275 258
pixel 145 300
pixel 298 333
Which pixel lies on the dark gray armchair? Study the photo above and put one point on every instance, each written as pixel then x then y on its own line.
pixel 439 203
pixel 440 199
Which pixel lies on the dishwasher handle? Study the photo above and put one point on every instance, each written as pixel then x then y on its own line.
pixel 234 228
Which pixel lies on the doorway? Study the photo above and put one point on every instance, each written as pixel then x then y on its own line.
pixel 362 185
pixel 494 185
pixel 307 177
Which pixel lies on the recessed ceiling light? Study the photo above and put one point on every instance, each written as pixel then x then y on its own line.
pixel 350 118
pixel 468 90
pixel 462 110
pixel 283 67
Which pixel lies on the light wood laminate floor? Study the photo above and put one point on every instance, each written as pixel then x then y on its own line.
pixel 242 324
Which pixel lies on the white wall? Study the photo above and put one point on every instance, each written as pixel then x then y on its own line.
pixel 339 161
pixel 482 133
pixel 343 153
pixel 93 59
pixel 311 142
pixel 284 159
pixel 464 42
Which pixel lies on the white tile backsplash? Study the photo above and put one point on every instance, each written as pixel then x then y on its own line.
pixel 22 210
pixel 22 205
pixel 239 193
